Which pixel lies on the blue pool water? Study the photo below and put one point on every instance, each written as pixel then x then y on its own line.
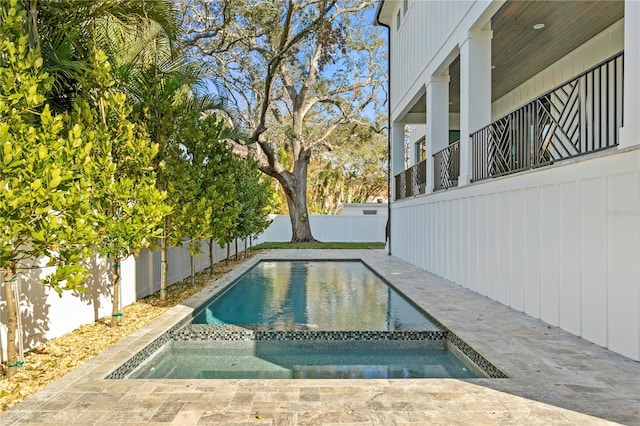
pixel 306 320
pixel 311 295
pixel 301 360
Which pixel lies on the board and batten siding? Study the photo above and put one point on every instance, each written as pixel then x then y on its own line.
pixel 561 244
pixel 413 49
pixel 416 133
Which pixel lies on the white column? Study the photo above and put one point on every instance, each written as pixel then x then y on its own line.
pixel 397 153
pixel 475 94
pixel 630 132
pixel 437 122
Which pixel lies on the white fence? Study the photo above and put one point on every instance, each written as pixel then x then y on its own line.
pixel 46 315
pixel 331 228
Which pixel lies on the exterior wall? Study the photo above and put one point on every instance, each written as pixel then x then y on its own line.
pixel 416 53
pixel 416 132
pixel 330 228
pixel 46 315
pixel 630 132
pixel 412 48
pixel 596 50
pixel 357 209
pixel 561 244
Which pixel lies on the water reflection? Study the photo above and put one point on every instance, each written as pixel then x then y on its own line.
pixel 314 295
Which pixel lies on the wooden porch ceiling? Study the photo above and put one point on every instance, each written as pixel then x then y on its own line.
pixel 519 52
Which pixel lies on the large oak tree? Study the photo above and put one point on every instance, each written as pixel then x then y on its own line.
pixel 297 71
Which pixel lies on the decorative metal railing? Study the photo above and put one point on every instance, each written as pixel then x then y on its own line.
pixel 446 167
pixel 412 181
pixel 580 116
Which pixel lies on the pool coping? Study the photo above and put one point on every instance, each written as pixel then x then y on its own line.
pixel 554 377
pixel 185 330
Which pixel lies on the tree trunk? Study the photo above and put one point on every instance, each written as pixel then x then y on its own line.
pixel 116 315
pixel 294 185
pixel 193 270
pixel 211 254
pixel 295 189
pixel 245 249
pixel 298 214
pixel 12 321
pixel 228 253
pixel 236 241
pixel 163 264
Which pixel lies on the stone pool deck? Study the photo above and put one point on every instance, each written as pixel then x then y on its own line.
pixel 554 377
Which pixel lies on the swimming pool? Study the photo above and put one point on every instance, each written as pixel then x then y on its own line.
pixel 307 319
pixel 314 295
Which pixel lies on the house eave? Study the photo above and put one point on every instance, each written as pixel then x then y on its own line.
pixel 379 18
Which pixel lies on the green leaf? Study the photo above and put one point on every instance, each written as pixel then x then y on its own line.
pixel 55 181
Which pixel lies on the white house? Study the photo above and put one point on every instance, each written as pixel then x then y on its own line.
pixel 523 121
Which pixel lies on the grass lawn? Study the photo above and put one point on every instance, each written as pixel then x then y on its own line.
pixel 337 245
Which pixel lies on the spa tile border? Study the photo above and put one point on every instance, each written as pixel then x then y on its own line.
pixel 215 332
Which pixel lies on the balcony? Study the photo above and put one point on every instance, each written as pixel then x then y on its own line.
pixel 446 167
pixel 578 117
pixel 412 181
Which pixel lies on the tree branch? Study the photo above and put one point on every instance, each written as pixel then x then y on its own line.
pixel 284 46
